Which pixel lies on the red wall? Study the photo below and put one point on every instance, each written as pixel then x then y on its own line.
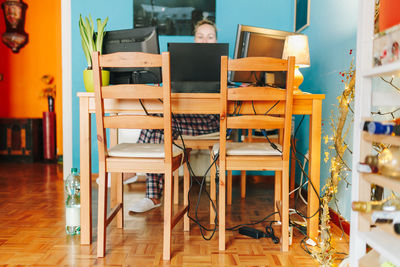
pixel 21 86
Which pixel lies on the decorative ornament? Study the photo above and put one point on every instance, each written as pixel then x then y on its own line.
pixel 49 90
pixel 15 36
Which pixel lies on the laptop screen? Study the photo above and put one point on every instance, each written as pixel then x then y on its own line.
pixel 195 67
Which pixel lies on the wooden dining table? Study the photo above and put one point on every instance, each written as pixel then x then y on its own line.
pixel 199 103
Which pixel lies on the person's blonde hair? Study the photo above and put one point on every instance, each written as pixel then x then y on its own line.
pixel 205 22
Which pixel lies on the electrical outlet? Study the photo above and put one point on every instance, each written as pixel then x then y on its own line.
pixel 290 235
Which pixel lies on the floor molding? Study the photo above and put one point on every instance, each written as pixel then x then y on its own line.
pixel 339 220
pixel 335 217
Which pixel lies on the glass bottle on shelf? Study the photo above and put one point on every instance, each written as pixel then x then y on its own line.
pixel 390 204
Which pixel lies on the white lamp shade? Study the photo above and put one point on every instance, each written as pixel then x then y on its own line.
pixel 297 46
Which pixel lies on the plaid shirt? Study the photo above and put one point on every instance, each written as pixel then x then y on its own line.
pixel 186 124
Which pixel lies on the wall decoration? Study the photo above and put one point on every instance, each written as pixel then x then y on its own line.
pixel 172 17
pixel 301 14
pixel 15 36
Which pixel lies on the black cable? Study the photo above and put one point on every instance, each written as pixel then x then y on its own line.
pixel 269 232
pixel 274 105
pixel 234 228
pixel 201 183
pixel 254 109
pixel 307 177
pixel 144 108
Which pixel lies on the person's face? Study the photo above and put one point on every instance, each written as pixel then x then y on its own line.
pixel 205 34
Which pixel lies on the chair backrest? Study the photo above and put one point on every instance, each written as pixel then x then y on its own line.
pixel 232 117
pixel 134 92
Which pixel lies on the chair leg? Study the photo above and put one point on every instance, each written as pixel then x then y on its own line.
pixel 167 215
pixel 186 182
pixel 176 187
pixel 212 190
pixel 102 212
pixel 229 188
pixel 120 199
pixel 116 196
pixel 285 207
pixel 222 203
pixel 243 184
pixel 278 193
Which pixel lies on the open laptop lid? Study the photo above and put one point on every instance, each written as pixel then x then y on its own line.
pixel 196 62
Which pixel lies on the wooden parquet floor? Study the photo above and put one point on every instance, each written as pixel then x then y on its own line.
pixel 32 228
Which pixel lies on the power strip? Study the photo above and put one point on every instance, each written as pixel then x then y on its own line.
pixel 251 232
pixel 257 234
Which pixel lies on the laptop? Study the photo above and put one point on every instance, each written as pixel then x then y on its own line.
pixel 195 67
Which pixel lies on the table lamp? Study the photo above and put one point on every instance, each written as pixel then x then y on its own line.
pixel 297 45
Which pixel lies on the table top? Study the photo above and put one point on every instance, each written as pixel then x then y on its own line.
pixel 202 103
pixel 304 95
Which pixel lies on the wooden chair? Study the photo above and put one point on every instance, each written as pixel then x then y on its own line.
pixel 251 156
pixel 148 158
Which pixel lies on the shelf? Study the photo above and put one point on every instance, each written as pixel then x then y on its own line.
pixel 384 243
pixel 383 181
pixel 382 138
pixel 385 227
pixel 384 70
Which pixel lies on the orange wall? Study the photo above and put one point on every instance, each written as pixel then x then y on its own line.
pixel 21 85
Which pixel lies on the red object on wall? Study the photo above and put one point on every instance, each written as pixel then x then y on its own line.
pixel 49 136
pixel 389 14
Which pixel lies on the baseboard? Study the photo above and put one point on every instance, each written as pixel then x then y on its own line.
pixel 335 217
pixel 339 220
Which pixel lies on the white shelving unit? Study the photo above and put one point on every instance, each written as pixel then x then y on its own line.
pixel 382 238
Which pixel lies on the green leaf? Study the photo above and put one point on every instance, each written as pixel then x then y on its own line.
pixel 90 40
pixel 100 33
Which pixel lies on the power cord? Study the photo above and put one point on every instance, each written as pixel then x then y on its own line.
pixel 269 233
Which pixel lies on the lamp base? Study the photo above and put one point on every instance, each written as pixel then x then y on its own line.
pixel 297 80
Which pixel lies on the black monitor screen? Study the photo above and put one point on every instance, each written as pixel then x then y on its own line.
pixel 133 40
pixel 259 42
pixel 196 67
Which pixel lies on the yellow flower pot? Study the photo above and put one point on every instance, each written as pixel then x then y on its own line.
pixel 88 79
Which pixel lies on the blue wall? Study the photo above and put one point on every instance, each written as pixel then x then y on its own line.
pixel 261 13
pixel 332 33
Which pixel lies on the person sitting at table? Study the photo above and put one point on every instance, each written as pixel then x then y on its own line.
pixel 205 31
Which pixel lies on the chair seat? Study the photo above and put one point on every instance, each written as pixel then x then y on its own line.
pixel 249 149
pixel 214 136
pixel 135 150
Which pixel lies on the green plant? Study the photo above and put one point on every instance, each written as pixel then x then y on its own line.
pixel 91 41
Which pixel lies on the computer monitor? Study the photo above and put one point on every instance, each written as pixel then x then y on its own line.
pixel 133 40
pixel 259 42
pixel 196 67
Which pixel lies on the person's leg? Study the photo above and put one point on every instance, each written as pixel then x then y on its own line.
pixel 154 182
pixel 154 187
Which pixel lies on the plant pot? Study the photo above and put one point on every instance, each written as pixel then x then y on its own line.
pixel 88 79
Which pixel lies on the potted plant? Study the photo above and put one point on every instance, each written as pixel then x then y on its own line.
pixel 92 41
pixel 49 90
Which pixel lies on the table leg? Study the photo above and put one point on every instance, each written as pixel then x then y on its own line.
pixel 85 161
pixel 314 168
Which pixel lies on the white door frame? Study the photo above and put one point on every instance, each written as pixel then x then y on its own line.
pixel 66 57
